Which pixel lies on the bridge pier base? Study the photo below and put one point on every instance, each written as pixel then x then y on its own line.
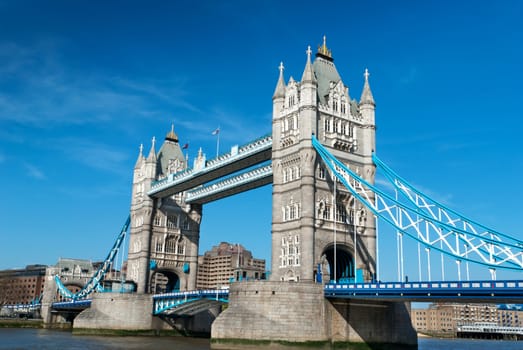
pixel 284 314
pixel 115 313
pixel 118 311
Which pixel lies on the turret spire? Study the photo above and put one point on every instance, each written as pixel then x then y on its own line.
pixel 308 73
pixel 152 152
pixel 323 51
pixel 140 157
pixel 279 92
pixel 171 135
pixel 366 94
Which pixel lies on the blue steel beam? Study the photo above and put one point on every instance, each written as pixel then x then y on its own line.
pixel 453 291
pixel 162 303
pixel 72 305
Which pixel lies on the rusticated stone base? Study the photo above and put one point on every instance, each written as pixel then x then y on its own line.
pixel 288 314
pixel 119 311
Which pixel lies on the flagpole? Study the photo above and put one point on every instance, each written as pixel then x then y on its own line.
pixel 218 143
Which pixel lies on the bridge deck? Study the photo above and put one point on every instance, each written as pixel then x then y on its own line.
pixel 470 291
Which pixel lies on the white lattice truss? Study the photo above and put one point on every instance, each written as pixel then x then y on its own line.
pixel 425 220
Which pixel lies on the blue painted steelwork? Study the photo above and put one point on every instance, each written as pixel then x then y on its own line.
pixel 167 301
pixel 429 291
pixel 72 305
pixel 441 232
pixel 253 175
pixel 98 276
pixel 250 149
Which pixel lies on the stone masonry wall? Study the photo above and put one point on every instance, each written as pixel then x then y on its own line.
pixel 264 310
pixel 118 311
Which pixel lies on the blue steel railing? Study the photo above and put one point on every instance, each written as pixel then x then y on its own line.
pixel 72 305
pixel 428 290
pixel 164 302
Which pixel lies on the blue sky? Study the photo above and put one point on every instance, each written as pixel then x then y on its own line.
pixel 84 83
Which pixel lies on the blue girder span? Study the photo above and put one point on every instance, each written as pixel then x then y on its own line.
pixel 98 276
pixel 164 302
pixel 506 259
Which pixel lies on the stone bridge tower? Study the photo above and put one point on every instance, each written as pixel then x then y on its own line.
pixel 163 245
pixel 312 231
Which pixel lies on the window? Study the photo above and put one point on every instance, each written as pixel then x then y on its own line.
pixel 291 212
pixel 181 248
pixel 185 224
pixel 172 221
pixel 341 213
pixel 327 125
pixel 290 251
pixel 170 246
pixel 327 212
pixel 321 172
pixel 157 220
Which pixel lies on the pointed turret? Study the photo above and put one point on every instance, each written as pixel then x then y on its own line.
pixel 140 158
pixel 279 92
pixel 171 135
pixel 152 153
pixel 308 72
pixel 366 94
pixel 170 157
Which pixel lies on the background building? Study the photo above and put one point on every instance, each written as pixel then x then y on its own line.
pixel 22 286
pixel 442 318
pixel 227 262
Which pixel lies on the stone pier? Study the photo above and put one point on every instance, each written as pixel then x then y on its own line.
pixel 284 315
pixel 115 313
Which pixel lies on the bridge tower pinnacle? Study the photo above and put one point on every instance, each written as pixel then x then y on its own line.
pixel 314 233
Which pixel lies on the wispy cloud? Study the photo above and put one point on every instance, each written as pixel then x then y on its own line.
pixel 410 76
pixel 94 192
pixel 34 172
pixel 92 154
pixel 38 88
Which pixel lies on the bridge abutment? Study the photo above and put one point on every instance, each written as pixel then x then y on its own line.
pixel 118 311
pixel 113 313
pixel 287 313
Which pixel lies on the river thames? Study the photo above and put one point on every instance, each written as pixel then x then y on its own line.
pixel 25 339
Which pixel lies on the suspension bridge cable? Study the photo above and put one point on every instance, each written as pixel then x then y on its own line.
pixel 389 172
pixel 98 276
pixel 487 245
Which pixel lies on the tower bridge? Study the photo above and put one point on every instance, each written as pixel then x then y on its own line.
pixel 321 161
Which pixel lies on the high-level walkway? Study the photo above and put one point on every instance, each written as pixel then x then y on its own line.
pixel 239 158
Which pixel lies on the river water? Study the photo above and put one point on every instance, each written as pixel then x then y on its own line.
pixel 26 339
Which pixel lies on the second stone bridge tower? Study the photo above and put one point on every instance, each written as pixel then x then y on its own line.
pixel 314 231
